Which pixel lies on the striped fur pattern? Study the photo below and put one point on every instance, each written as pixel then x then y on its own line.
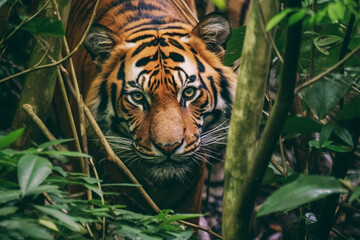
pixel 157 87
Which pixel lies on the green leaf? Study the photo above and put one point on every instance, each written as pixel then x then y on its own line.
pixel 355 195
pixel 66 153
pixel 60 170
pixel 336 11
pixel 45 26
pixel 304 189
pixel 350 110
pixel 48 224
pixel 295 125
pixel 324 94
pixel 8 210
pixel 234 45
pixel 183 235
pixel 177 217
pixel 27 228
pixel 316 144
pixel 45 188
pixel 130 232
pixel 120 185
pixel 325 133
pixel 62 217
pixel 9 195
pixel 52 143
pixel 2 2
pixel 297 16
pixel 276 19
pixel 344 135
pixel 220 4
pixel 32 171
pixel 5 141
pixel 330 145
pixel 94 189
pixel 325 42
pixel 339 148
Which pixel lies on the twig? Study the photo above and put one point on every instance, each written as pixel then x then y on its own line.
pixel 269 37
pixel 201 228
pixel 277 165
pixel 114 158
pixel 312 53
pixel 72 126
pixel 31 69
pixel 29 110
pixel 338 64
pixel 282 156
pixel 192 19
pixel 84 162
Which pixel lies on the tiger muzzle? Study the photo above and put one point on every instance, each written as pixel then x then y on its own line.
pixel 167 130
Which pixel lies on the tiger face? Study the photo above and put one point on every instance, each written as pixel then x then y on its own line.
pixel 162 95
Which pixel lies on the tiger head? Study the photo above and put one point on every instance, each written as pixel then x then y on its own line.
pixel 162 94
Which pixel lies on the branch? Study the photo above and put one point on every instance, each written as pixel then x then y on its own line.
pixel 114 158
pixel 245 120
pixel 30 111
pixel 31 69
pixel 318 77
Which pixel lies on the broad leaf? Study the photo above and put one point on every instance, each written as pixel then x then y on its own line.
pixel 9 195
pixel 295 125
pixel 130 232
pixel 296 17
pixel 66 153
pixel 325 42
pixel 49 224
pixel 32 171
pixel 27 228
pixel 5 141
pixel 8 210
pixel 275 20
pixel 336 11
pixel 325 133
pixel 355 195
pixel 45 27
pixel 2 2
pixel 183 235
pixel 324 94
pixel 177 217
pixel 344 135
pixel 330 145
pixel 234 45
pixel 62 217
pixel 52 143
pixel 350 110
pixel 304 189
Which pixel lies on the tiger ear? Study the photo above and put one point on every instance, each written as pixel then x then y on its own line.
pixel 99 43
pixel 214 29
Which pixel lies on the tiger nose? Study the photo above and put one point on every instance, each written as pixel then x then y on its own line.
pixel 168 149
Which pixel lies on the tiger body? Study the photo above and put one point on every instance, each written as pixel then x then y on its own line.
pixel 157 88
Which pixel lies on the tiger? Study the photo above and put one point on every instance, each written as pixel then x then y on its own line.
pixel 155 83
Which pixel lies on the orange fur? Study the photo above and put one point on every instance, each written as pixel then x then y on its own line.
pixel 156 87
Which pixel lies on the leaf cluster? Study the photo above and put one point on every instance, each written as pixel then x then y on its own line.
pixel 29 179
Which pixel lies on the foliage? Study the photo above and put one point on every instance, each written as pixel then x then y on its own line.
pixel 328 105
pixel 327 123
pixel 23 214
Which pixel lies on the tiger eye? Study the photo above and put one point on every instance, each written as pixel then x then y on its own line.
pixel 189 93
pixel 137 96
